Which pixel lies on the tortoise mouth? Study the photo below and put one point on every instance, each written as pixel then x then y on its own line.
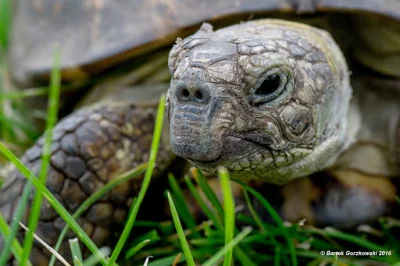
pixel 231 149
pixel 212 162
pixel 204 152
pixel 234 147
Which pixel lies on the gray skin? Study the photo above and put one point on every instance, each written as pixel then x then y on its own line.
pixel 223 112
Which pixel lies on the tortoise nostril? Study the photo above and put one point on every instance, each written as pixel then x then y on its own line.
pixel 198 95
pixel 194 94
pixel 185 94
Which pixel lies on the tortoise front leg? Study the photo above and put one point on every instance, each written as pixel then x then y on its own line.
pixel 351 197
pixel 89 148
pixel 342 198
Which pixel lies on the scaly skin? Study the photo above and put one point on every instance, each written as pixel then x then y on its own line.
pixel 289 131
pixel 90 147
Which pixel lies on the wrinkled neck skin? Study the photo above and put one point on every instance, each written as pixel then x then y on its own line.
pixel 373 122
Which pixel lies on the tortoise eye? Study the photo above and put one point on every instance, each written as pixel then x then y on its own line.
pixel 269 85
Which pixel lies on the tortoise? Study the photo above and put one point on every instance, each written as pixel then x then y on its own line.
pixel 275 101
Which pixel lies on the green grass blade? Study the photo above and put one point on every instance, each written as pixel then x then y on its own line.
pixel 181 234
pixel 58 207
pixel 5 128
pixel 277 259
pixel 32 92
pixel 346 237
pixel 229 212
pixel 275 216
pixel 217 256
pixel 5 21
pixel 151 236
pixel 15 247
pixel 146 181
pixel 253 212
pixel 132 251
pixel 52 112
pixel 166 261
pixel 137 171
pixel 17 124
pixel 35 92
pixel 391 240
pixel 238 252
pixel 210 194
pixel 23 201
pixel 92 260
pixel 243 257
pixel 203 205
pixel 355 240
pixel 75 251
pixel 260 223
pixel 180 203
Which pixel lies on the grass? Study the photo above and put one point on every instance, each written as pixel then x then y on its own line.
pixel 181 234
pixel 14 225
pixel 50 123
pixel 229 213
pixel 15 245
pixel 276 218
pixel 146 182
pixel 17 130
pixel 76 251
pixel 96 196
pixel 222 237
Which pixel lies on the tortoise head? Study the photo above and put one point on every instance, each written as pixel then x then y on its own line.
pixel 266 99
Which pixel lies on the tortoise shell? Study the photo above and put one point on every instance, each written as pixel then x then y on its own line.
pixel 97 34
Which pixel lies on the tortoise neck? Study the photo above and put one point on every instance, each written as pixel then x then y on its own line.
pixel 379 111
pixel 373 118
